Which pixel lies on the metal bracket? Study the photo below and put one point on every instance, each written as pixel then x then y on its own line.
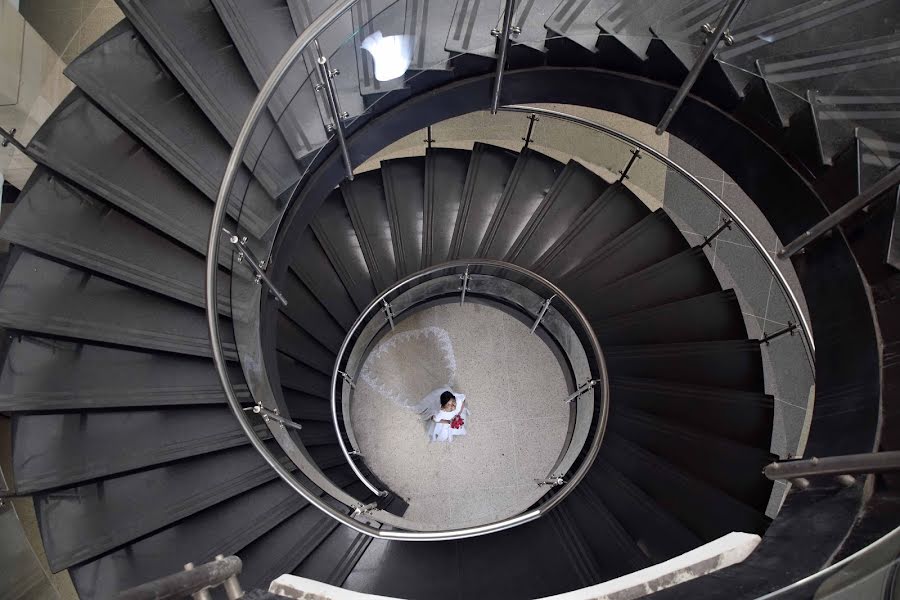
pixel 544 307
pixel 354 453
pixel 513 30
pixel 790 328
pixel 269 414
pixel 532 118
pixel 552 481
pixel 326 76
pixel 582 389
pixel 347 379
pixel 465 286
pixel 9 136
pixel 635 155
pixel 258 266
pixel 707 240
pixel 708 29
pixel 504 34
pixel 389 313
pixel 364 509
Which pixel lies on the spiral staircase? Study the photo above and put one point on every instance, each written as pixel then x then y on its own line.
pixel 120 429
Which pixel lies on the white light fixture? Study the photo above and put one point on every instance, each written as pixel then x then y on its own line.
pixel 392 55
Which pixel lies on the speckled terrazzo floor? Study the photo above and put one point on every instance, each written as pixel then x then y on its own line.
pixel 515 390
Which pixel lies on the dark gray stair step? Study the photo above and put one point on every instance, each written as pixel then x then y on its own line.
pixel 42 374
pixel 655 531
pixel 315 270
pixel 43 296
pixel 470 28
pixel 801 26
pixel 317 433
pixel 56 218
pixel 614 212
pixel 335 557
pixel 226 528
pixel 388 18
pixel 877 154
pixel 331 457
pixel 530 181
pixel 310 313
pixel 615 551
pixel 121 74
pixel 838 114
pixel 650 241
pixel 83 522
pixel 489 169
pixel 302 378
pixel 732 467
pixel 335 43
pixel 590 570
pixel 574 190
pixel 735 364
pixel 300 345
pixel 679 26
pixel 707 511
pixel 229 527
pixel 715 316
pixel 64 449
pixel 367 207
pixel 335 232
pixel 577 22
pixel 263 32
pixel 282 549
pixel 193 43
pixel 427 23
pixel 445 179
pixel 404 190
pixel 863 65
pixel 682 276
pixel 628 23
pixel 304 407
pixel 121 170
pixel 893 252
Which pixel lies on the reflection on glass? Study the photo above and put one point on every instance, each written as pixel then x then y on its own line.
pixel 392 55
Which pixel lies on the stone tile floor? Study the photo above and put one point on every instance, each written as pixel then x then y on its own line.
pixel 515 389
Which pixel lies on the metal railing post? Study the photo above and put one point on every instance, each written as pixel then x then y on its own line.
pixel 707 240
pixel 504 34
pixel 842 214
pixel 428 139
pixel 582 389
pixel 532 119
pixel 465 286
pixel 269 414
pixel 9 137
pixel 389 313
pixel 635 155
pixel 256 265
pixel 545 306
pixel 731 11
pixel 768 338
pixel 327 76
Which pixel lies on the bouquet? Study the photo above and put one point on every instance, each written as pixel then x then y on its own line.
pixel 457 422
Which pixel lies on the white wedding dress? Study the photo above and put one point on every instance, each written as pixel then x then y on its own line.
pixel 442 432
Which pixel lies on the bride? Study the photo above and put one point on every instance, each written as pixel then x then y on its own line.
pixel 441 423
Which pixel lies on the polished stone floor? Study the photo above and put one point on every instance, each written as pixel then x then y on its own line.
pixel 515 389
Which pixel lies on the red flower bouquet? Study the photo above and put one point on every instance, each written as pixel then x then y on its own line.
pixel 457 422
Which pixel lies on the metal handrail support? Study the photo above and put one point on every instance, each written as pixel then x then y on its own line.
pixel 501 58
pixel 842 214
pixel 731 11
pixel 256 265
pixel 849 464
pixel 9 137
pixel 327 76
pixel 193 580
pixel 268 413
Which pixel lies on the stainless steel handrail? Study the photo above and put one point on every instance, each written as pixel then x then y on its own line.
pixel 376 305
pixel 770 261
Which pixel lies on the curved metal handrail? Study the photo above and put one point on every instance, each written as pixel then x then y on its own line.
pixel 376 305
pixel 770 262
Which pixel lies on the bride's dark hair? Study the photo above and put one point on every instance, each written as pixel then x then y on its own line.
pixel 446 397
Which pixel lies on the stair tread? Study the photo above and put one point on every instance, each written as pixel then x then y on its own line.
pixel 839 113
pixel 470 29
pixel 120 170
pixel 404 186
pixel 335 232
pixel 614 212
pixel 367 207
pixel 489 170
pixel 191 40
pixel 388 18
pixel 321 280
pixel 445 178
pixel 262 32
pixel 310 314
pixel 152 105
pixel 713 316
pixel 302 378
pixel 531 179
pixel 56 218
pixel 44 296
pixel 574 190
pixel 48 375
pixel 71 518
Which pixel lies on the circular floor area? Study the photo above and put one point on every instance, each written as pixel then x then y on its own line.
pixel 515 390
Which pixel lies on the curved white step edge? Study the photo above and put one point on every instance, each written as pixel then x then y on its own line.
pixel 726 551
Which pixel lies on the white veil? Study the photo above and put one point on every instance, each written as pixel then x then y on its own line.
pixel 412 368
